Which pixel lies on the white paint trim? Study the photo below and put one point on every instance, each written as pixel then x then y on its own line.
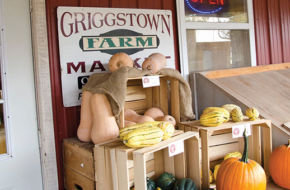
pixel 252 33
pixel 6 114
pixel 43 95
pixel 216 26
pixel 182 38
pixel 183 26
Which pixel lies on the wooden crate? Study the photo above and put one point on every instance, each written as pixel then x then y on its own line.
pixel 217 141
pixel 99 163
pixel 140 99
pixel 183 165
pixel 89 167
pixel 79 170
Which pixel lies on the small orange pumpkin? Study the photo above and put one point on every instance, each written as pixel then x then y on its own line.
pixel 241 174
pixel 280 166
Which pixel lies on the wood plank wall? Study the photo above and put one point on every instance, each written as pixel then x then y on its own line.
pixel 272 26
pixel 66 120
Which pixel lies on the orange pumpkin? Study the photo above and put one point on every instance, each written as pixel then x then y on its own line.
pixel 241 174
pixel 280 166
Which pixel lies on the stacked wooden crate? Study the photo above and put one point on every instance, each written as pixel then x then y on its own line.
pixel 216 142
pixel 110 165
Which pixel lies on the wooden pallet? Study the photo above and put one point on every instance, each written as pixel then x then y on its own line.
pixel 217 141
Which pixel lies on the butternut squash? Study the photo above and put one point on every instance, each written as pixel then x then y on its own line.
pixel 154 62
pixel 104 123
pixel 167 118
pixel 154 113
pixel 85 126
pixel 120 60
pixel 131 115
pixel 128 123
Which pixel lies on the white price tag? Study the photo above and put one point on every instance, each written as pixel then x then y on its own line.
pixel 150 81
pixel 238 130
pixel 175 148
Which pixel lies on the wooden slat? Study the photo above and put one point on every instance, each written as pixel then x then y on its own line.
pixel 159 165
pixel 135 93
pixel 122 170
pixel 221 139
pixel 156 97
pixel 193 158
pixel 267 148
pixel 174 99
pixel 136 105
pixel 163 96
pixel 244 71
pixel 205 158
pixel 149 97
pixel 168 162
pixel 140 171
pixel 150 167
pixel 218 152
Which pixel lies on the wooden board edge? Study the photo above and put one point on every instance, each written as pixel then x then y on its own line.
pixel 244 70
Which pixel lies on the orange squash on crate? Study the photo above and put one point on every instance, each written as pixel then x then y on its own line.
pixel 131 115
pixel 104 125
pixel 280 166
pixel 119 60
pixel 241 174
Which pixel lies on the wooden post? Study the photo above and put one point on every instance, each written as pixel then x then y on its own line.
pixel 193 160
pixel 140 171
pixel 256 144
pixel 205 158
pixel 175 109
pixel 122 169
pixel 163 95
pixel 267 148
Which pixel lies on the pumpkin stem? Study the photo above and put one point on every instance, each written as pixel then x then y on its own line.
pixel 245 153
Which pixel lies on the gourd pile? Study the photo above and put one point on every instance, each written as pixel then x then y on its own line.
pixel 215 116
pixel 148 129
pixel 167 181
pixel 146 134
pixel 97 123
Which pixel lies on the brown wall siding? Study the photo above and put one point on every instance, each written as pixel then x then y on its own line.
pixel 285 27
pixel 272 26
pixel 66 120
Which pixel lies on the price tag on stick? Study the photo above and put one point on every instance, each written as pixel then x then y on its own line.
pixel 238 130
pixel 150 81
